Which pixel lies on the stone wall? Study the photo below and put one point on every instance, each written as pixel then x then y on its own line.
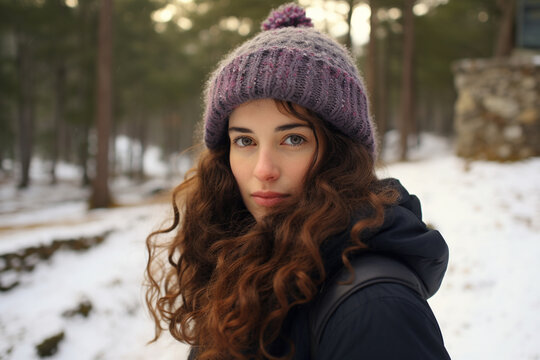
pixel 497 112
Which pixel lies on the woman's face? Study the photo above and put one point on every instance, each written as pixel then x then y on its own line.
pixel 270 154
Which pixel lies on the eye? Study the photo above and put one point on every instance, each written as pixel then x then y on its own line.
pixel 294 140
pixel 243 141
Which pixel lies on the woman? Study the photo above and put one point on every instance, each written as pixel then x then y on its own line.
pixel 284 197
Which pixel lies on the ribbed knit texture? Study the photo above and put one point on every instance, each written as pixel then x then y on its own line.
pixel 297 64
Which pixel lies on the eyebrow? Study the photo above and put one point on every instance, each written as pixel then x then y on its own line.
pixel 291 126
pixel 277 129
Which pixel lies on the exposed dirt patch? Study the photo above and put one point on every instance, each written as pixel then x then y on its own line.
pixel 49 346
pixel 13 264
pixel 84 308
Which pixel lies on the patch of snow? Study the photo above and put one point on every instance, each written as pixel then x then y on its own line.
pixel 153 164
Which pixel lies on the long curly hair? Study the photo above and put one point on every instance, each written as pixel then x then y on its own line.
pixel 224 282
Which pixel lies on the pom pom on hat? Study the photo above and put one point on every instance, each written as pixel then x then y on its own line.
pixel 285 16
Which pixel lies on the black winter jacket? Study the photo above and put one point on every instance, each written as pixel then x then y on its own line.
pixel 384 321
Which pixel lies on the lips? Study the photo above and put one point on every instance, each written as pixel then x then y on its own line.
pixel 268 198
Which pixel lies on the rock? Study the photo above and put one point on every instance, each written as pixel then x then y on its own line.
pixel 504 107
pixel 529 116
pixel 531 98
pixel 526 152
pixel 513 133
pixel 465 103
pixel 528 83
pixel 491 133
pixel 459 81
pixel 504 151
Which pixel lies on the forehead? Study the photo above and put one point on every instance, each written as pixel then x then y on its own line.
pixel 261 113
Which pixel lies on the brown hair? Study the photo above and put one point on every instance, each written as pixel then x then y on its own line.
pixel 230 281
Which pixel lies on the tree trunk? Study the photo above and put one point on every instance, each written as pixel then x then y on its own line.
pixel 143 136
pixel 381 96
pixel 100 192
pixel 505 38
pixel 113 171
pixel 372 81
pixel 371 72
pixel 25 73
pixel 348 39
pixel 59 110
pixel 130 164
pixel 83 154
pixel 407 88
pixel 86 91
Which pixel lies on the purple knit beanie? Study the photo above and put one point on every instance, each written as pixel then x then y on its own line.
pixel 291 61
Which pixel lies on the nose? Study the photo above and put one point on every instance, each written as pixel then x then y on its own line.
pixel 267 167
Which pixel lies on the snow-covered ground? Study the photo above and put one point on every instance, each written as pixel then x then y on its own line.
pixel 488 306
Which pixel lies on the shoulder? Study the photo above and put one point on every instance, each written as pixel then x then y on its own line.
pixel 388 297
pixel 383 321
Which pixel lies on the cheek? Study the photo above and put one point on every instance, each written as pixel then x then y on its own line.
pixel 239 170
pixel 298 171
